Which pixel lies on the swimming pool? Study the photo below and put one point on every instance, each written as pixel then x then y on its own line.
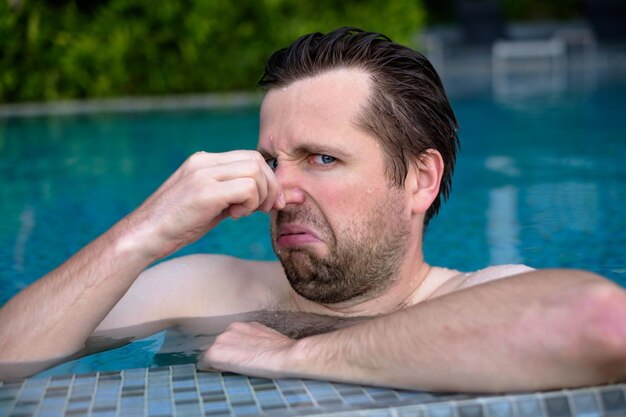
pixel 540 180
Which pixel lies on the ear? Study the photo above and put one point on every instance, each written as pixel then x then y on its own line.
pixel 423 180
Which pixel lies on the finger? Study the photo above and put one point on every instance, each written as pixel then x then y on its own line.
pixel 257 327
pixel 239 196
pixel 203 365
pixel 274 190
pixel 245 327
pixel 269 187
pixel 203 159
pixel 239 169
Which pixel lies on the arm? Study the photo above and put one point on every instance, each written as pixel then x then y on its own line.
pixel 538 330
pixel 51 319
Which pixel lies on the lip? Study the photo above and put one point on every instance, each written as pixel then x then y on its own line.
pixel 293 235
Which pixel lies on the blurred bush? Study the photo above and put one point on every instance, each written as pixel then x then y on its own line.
pixel 73 49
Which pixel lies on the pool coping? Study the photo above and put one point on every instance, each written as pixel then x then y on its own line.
pixel 180 390
pixel 229 100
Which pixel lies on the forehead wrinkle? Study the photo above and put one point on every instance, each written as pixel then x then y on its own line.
pixel 303 129
pixel 319 148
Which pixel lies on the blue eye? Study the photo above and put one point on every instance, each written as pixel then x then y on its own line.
pixel 272 162
pixel 324 159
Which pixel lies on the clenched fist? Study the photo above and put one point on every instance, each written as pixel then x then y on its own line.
pixel 207 188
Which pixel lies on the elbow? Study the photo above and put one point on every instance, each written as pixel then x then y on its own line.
pixel 600 337
pixel 12 369
pixel 15 371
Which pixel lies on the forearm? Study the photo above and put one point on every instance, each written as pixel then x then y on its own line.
pixel 53 317
pixel 530 332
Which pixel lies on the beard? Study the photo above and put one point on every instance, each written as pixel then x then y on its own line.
pixel 363 259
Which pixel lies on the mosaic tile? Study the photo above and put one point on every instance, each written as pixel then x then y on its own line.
pixel 108 376
pixel 614 402
pixel 528 407
pixel 327 397
pixel 78 412
pixel 410 412
pixel 75 405
pixel 585 405
pixel 190 410
pixel 379 413
pixel 180 391
pixel 156 408
pixel 183 383
pixel 243 410
pixel 216 408
pixel 470 410
pixel 330 403
pixel 419 396
pixel 557 406
pixel 304 411
pixel 357 399
pixel 289 383
pixel 56 392
pixel 219 396
pixel 499 409
pixel 53 402
pixel 8 393
pixel 55 385
pixel 443 410
pixel 103 413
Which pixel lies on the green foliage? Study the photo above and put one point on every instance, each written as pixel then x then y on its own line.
pixel 64 49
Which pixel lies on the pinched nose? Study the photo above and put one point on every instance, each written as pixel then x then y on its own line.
pixel 290 183
pixel 293 195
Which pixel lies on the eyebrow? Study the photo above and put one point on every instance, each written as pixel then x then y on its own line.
pixel 310 149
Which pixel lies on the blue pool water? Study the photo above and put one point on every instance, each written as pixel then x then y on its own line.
pixel 541 180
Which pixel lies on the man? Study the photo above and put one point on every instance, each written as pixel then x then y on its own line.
pixel 356 150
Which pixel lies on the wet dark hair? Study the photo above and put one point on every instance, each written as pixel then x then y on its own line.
pixel 408 109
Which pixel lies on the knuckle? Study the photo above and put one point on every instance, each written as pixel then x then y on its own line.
pixel 236 326
pixel 253 168
pixel 199 176
pixel 249 185
pixel 194 160
pixel 258 157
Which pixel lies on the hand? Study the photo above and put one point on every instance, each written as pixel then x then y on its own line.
pixel 206 189
pixel 252 349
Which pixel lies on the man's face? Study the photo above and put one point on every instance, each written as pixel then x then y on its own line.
pixel 344 231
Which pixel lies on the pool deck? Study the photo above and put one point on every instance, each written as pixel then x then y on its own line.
pixel 182 391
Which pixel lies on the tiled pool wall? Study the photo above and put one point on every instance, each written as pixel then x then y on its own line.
pixel 182 391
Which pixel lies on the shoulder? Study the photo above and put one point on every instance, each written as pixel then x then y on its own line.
pixel 451 280
pixel 492 273
pixel 200 286
pixel 220 276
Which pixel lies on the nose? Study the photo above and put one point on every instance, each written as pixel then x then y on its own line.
pixel 290 181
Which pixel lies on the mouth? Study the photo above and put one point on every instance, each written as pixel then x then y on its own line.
pixel 291 236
